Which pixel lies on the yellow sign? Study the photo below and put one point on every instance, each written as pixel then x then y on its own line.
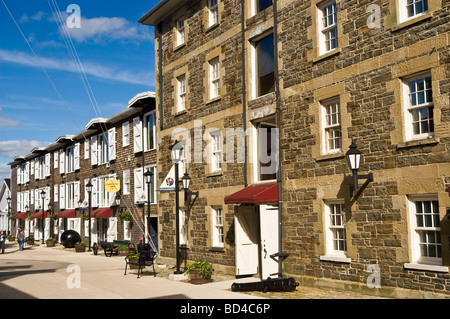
pixel 112 185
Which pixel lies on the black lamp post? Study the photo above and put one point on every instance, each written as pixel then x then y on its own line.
pixel 148 178
pixel 89 190
pixel 43 213
pixel 8 200
pixel 176 157
pixel 354 158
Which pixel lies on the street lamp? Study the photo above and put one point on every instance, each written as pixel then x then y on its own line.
pixel 8 200
pixel 187 193
pixel 354 158
pixel 148 178
pixel 176 157
pixel 43 217
pixel 89 190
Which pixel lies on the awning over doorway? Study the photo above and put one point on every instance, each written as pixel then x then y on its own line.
pixel 20 215
pixel 39 215
pixel 102 212
pixel 254 194
pixel 68 213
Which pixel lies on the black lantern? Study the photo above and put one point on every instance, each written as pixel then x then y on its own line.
pixel 354 159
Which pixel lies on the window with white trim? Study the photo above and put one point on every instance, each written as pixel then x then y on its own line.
pixel 266 150
pixel 213 11
pixel 216 151
pixel 410 9
pixel 328 34
pixel 126 182
pixel 125 134
pixel 332 131
pixel 214 73
pixel 104 148
pixel 336 242
pixel 425 231
pixel 217 229
pixel 150 131
pixel 72 194
pixel 418 107
pixel 264 66
pixel 181 101
pixel 180 32
pixel 105 198
pixel 70 159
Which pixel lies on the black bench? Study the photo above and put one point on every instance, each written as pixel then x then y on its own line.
pixel 146 258
pixel 111 247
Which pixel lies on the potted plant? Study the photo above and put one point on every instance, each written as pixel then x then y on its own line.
pixel 29 240
pixel 123 250
pixel 80 247
pixel 11 237
pixel 199 271
pixel 126 216
pixel 50 242
pixel 133 257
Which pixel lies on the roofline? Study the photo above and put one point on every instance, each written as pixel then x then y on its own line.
pixel 158 12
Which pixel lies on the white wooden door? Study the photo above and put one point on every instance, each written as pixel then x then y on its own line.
pixel 268 217
pixel 112 229
pixel 246 234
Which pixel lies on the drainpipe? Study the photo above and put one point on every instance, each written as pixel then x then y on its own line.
pixel 280 254
pixel 244 95
pixel 160 77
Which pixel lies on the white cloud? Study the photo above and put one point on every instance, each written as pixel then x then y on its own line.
pixel 15 148
pixel 6 122
pixel 103 28
pixel 5 172
pixel 90 68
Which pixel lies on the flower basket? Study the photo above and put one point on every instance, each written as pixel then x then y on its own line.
pixel 11 238
pixel 199 271
pixel 123 251
pixel 134 258
pixel 80 247
pixel 50 242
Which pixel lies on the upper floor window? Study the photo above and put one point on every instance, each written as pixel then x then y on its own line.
pixel 149 131
pixel 261 5
pixel 419 107
pixel 213 8
pixel 217 233
pixel 216 151
pixel 125 133
pixel 328 36
pixel 180 32
pixel 181 103
pixel 267 167
pixel 332 139
pixel 70 159
pixel 265 65
pixel 104 148
pixel 214 66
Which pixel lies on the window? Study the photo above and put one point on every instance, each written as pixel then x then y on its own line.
pixel 214 85
pixel 216 151
pixel 332 139
pixel 335 229
pixel 412 8
pixel 267 150
pixel 70 162
pixel 213 8
pixel 261 5
pixel 125 134
pixel 180 32
pixel 152 185
pixel 72 194
pixel 328 36
pixel 426 232
pixel 149 131
pixel 104 148
pixel 126 182
pixel 105 198
pixel 181 103
pixel 265 65
pixel 419 107
pixel 217 219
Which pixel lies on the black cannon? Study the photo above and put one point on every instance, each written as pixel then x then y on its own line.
pixel 274 285
pixel 69 238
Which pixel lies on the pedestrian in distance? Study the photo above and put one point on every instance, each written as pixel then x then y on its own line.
pixel 21 239
pixel 2 241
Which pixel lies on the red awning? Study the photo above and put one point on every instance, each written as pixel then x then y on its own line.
pixel 254 194
pixel 21 215
pixel 68 213
pixel 103 212
pixel 39 215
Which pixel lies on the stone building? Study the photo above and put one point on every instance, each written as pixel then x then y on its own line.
pixel 119 148
pixel 311 76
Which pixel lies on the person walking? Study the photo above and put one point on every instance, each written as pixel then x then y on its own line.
pixel 2 241
pixel 21 239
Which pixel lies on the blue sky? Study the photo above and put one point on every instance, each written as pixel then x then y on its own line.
pixel 115 51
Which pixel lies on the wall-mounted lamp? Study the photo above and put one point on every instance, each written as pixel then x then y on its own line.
pixel 354 158
pixel 187 193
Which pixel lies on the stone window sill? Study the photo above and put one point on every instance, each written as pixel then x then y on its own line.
pixel 412 21
pixel 415 266
pixel 327 55
pixel 413 143
pixel 339 259
pixel 331 156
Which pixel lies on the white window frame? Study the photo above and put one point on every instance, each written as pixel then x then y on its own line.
pixel 335 223
pixel 126 182
pixel 180 29
pixel 257 151
pixel 217 227
pixel 404 14
pixel 181 93
pixel 86 149
pixel 332 129
pixel 146 131
pixel 72 194
pixel 125 134
pixel 415 229
pixel 213 12
pixel 105 198
pixel 216 151
pixel 409 108
pixel 103 148
pixel 326 27
pixel 70 159
pixel 214 76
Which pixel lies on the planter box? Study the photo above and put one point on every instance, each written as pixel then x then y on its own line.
pixel 134 260
pixel 12 239
pixel 197 279
pixel 123 252
pixel 80 249
pixel 50 244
